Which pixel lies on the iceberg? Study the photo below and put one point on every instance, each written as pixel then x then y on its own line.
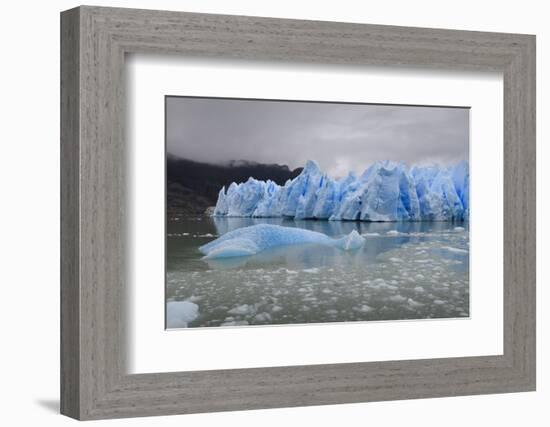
pixel 180 313
pixel 253 239
pixel 350 242
pixel 385 191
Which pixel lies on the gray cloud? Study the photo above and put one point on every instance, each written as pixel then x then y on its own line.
pixel 341 137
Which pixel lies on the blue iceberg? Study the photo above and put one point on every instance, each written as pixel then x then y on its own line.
pixel 386 191
pixel 251 240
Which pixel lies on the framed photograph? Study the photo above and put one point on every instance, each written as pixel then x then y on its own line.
pixel 262 213
pixel 315 224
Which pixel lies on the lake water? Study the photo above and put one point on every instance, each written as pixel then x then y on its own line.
pixel 409 270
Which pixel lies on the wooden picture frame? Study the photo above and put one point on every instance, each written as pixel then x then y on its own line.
pixel 94 382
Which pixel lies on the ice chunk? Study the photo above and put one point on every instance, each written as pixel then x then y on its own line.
pixel 455 250
pixel 364 308
pixel 180 313
pixel 414 304
pixel 350 242
pixel 262 317
pixel 235 323
pixel 256 238
pixel 242 310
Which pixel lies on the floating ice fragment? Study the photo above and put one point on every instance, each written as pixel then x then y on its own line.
pixel 455 250
pixel 350 242
pixel 413 303
pixel 262 317
pixel 276 308
pixel 397 298
pixel 180 313
pixel 364 308
pixel 241 310
pixel 195 298
pixel 235 323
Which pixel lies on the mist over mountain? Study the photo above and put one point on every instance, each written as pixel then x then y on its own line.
pixel 192 186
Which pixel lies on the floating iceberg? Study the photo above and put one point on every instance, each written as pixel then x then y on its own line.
pixel 386 191
pixel 180 313
pixel 256 238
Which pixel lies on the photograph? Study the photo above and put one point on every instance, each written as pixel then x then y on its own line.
pixel 294 212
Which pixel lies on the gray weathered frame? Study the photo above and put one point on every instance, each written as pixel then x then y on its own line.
pixel 94 41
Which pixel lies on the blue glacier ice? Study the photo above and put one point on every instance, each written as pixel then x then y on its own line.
pixel 385 191
pixel 461 180
pixel 256 238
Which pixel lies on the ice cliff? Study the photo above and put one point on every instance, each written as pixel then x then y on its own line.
pixel 386 191
pixel 256 238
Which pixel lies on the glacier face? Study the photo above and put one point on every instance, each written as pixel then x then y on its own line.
pixel 386 191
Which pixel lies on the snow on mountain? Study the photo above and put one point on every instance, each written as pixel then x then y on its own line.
pixel 386 191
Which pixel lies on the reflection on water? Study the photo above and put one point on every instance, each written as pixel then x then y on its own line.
pixel 331 228
pixel 408 270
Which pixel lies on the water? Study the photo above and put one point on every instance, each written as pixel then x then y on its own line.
pixel 405 270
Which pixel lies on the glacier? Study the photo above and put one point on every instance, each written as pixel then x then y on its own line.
pixel 385 191
pixel 253 239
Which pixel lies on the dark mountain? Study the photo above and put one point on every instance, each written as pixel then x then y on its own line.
pixel 191 186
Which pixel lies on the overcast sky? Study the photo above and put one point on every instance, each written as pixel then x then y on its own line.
pixel 340 137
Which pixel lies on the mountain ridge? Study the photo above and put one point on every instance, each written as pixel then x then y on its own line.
pixel 192 186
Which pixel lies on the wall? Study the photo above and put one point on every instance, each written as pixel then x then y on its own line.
pixel 29 236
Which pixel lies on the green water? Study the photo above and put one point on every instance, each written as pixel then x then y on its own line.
pixel 404 271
